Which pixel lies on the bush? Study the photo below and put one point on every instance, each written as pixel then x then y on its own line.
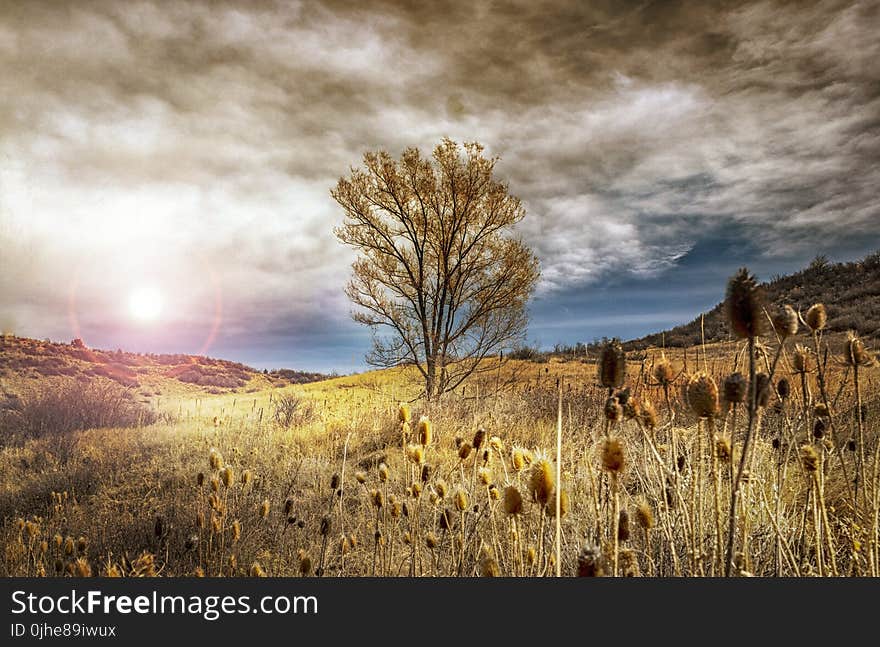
pixel 292 410
pixel 70 406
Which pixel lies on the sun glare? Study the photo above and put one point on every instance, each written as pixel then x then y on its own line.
pixel 145 304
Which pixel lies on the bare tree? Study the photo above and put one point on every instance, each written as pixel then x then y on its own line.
pixel 439 277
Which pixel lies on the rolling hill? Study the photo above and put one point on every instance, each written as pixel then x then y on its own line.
pixel 850 292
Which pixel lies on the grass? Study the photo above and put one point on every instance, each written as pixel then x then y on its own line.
pixel 352 485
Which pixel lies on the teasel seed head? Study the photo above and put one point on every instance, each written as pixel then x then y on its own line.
pixel 416 490
pixel 542 480
pixel 821 410
pixel 264 509
pixel 513 503
pixel 612 365
pixel 326 524
pixel 564 504
pixel 517 458
pixel 416 454
pixel 378 498
pixel 461 500
pixel 817 317
pixel 494 492
pixel 801 359
pixel 854 351
pixel 464 450
pixel 360 477
pixel 431 541
pixel 644 515
pixel 200 479
pixel 305 563
pixel 83 568
pixel 744 305
pixel 785 322
pixel 383 470
pixel 591 562
pixel 809 458
pixel 215 459
pixel 227 475
pixel 440 487
pixel 735 388
pixel 479 436
pixel 819 429
pixel 425 431
pixel 613 410
pixel 485 474
pixel 288 506
pixel 246 478
pixel 426 473
pixel 702 395
pixel 236 530
pixel 334 482
pixel 215 484
pixel 488 564
pixel 496 444
pixel 613 458
pixel 404 414
pixel 632 409
pixel 81 544
pixel 783 388
pixel 57 541
pixel 663 372
pixel 629 564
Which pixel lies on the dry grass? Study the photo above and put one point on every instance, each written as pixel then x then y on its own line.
pixel 357 487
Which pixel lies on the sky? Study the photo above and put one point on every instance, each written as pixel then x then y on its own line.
pixel 187 149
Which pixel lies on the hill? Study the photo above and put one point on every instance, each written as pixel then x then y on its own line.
pixel 850 292
pixel 24 359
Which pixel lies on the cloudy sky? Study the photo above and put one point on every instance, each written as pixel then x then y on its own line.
pixel 189 148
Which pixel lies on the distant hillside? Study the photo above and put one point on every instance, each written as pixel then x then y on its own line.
pixel 23 358
pixel 850 292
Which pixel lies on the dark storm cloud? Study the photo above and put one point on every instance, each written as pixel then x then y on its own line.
pixel 635 132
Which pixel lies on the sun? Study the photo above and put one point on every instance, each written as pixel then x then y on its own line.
pixel 145 303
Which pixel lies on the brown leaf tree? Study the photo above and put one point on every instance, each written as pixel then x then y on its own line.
pixel 439 276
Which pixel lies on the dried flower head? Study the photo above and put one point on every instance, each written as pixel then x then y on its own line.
pixel 735 388
pixel 722 448
pixel 702 395
pixel 542 481
pixel 612 365
pixel 513 503
pixel 613 459
pixel 464 450
pixel 613 410
pixel 215 459
pixel 744 305
pixel 461 500
pixel 479 437
pixel 816 317
pixel 644 515
pixel 854 352
pixel 809 458
pixel 801 359
pixel 404 414
pixel 591 562
pixel 425 431
pixel 785 322
pixel 663 372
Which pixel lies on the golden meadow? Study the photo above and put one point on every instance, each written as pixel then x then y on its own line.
pixel 650 463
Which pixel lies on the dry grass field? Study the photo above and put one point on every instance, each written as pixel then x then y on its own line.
pixel 354 477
